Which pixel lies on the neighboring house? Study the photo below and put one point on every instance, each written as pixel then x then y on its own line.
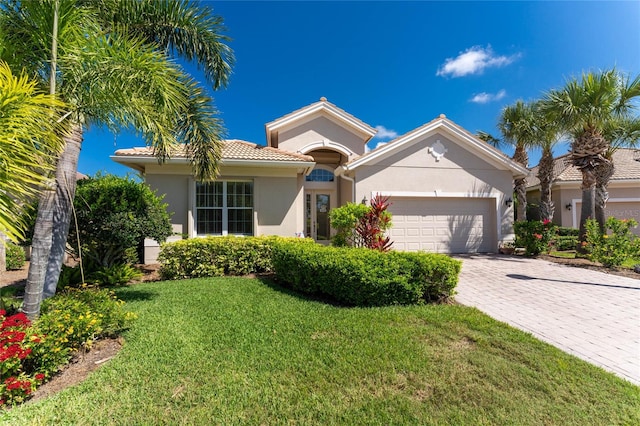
pixel 624 189
pixel 450 192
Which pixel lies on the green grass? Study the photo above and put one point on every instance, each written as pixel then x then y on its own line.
pixel 241 351
pixel 569 254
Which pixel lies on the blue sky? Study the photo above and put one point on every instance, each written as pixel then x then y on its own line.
pixel 398 65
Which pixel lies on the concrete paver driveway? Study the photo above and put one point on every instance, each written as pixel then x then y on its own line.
pixel 592 315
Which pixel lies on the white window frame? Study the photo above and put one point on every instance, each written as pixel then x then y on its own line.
pixel 225 208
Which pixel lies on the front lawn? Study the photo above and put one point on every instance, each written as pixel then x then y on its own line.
pixel 243 351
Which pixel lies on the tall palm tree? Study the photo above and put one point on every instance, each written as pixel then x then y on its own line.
pixel 585 108
pixel 29 143
pixel 111 60
pixel 517 124
pixel 547 136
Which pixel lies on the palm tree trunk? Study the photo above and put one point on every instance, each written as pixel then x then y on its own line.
pixel 520 185
pixel 603 171
pixel 588 210
pixel 63 207
pixel 40 248
pixel 545 175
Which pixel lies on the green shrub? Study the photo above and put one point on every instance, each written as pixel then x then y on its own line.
pixel 363 277
pixel 115 275
pixel 217 256
pixel 615 245
pixel 344 220
pixel 534 236
pixel 15 256
pixel 359 225
pixel 563 243
pixel 565 231
pixel 114 216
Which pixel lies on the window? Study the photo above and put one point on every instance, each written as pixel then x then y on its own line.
pixel 224 208
pixel 320 175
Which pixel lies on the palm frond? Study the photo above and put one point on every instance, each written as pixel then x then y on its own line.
pixel 29 144
pixel 184 27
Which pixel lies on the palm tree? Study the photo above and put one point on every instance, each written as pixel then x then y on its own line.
pixel 585 109
pixel 111 60
pixel 29 143
pixel 546 137
pixel 517 124
pixel 625 132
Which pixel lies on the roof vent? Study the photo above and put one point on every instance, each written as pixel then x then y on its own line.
pixel 323 99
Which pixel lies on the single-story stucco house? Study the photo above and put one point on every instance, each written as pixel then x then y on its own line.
pixel 450 191
pixel 624 189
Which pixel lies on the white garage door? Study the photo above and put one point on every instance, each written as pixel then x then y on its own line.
pixel 445 225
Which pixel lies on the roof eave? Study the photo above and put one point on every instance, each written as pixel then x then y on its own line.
pixel 517 170
pixel 138 162
pixel 279 123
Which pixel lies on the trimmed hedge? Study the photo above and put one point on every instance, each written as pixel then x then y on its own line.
pixel 363 277
pixel 217 256
pixel 566 242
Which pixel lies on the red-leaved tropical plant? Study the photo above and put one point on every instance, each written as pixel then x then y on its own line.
pixel 372 225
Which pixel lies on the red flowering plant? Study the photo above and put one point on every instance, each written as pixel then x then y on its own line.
pixel 371 226
pixel 534 236
pixel 16 347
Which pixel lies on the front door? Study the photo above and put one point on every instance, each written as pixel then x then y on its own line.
pixel 317 206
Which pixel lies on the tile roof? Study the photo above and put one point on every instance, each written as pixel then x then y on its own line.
pixel 233 149
pixel 626 163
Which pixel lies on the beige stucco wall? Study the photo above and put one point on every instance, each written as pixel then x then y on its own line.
pixel 278 201
pixel 629 208
pixel 278 198
pixel 570 194
pixel 175 189
pixel 460 173
pixel 319 129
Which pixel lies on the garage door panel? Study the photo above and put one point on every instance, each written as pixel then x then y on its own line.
pixel 450 225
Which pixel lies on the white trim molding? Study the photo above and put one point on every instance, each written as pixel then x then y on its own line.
pixel 324 144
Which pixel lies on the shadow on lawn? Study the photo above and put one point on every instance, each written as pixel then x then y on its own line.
pixel 129 295
pixel 272 283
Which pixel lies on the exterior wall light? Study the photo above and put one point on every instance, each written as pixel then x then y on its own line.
pixel 364 200
pixel 568 207
pixel 508 202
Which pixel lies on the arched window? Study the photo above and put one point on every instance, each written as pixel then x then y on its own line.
pixel 320 175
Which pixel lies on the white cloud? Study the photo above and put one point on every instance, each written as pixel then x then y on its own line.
pixel 384 133
pixel 473 61
pixel 368 147
pixel 483 98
